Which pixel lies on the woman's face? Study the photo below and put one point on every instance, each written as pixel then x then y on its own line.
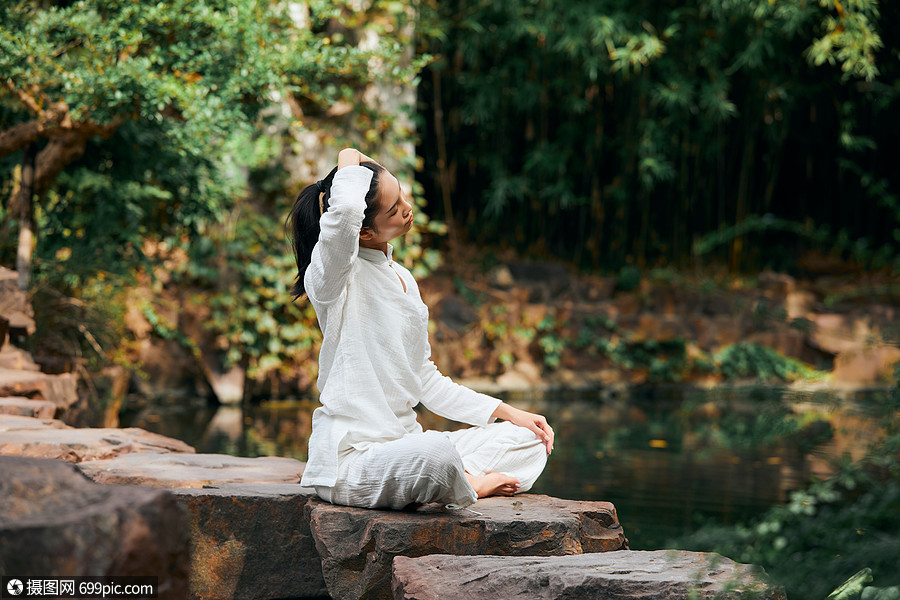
pixel 394 217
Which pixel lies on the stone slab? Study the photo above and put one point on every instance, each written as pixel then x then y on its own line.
pixel 23 423
pixel 26 407
pixel 55 522
pixel 192 470
pixel 16 359
pixel 61 390
pixel 252 542
pixel 621 575
pixel 358 545
pixel 78 445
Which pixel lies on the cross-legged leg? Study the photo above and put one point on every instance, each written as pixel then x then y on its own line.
pixel 418 468
pixel 498 453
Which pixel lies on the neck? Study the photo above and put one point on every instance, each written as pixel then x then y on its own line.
pixel 382 246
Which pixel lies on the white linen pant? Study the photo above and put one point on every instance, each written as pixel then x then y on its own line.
pixel 431 466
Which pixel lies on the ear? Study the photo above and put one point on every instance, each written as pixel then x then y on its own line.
pixel 366 234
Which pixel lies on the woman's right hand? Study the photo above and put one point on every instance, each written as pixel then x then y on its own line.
pixel 352 156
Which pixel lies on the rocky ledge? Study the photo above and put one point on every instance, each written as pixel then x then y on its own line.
pixel 192 470
pixel 55 522
pixel 258 542
pixel 49 438
pixel 357 546
pixel 26 407
pixel 623 575
pixel 59 390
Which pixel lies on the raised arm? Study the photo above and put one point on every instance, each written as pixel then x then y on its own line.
pixel 338 244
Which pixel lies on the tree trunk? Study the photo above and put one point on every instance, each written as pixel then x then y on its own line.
pixel 442 163
pixel 26 225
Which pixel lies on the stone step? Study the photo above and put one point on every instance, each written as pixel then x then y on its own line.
pixel 15 359
pixel 58 389
pixel 57 523
pixel 621 575
pixel 357 546
pixel 26 407
pixel 192 470
pixel 22 423
pixel 47 438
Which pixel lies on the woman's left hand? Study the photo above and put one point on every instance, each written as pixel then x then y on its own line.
pixel 536 423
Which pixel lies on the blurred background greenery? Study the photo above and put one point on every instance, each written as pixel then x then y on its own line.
pixel 149 153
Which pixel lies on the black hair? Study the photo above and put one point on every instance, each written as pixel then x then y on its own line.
pixel 303 220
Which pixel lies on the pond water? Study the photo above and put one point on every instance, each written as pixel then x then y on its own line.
pixel 670 460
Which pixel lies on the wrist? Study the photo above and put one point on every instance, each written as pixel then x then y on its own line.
pixel 502 411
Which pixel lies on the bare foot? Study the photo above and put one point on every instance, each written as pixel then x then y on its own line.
pixel 494 484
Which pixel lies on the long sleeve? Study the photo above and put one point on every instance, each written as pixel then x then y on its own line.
pixel 442 396
pixel 338 244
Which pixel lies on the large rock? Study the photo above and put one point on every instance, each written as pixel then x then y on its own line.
pixel 872 365
pixel 357 545
pixel 839 333
pixel 45 439
pixel 192 470
pixel 252 542
pixel 55 522
pixel 26 407
pixel 624 575
pixel 61 390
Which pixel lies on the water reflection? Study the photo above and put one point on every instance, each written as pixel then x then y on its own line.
pixel 275 428
pixel 668 461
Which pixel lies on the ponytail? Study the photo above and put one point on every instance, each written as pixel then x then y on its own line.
pixel 310 205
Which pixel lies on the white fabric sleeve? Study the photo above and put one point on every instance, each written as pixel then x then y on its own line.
pixel 444 397
pixel 338 244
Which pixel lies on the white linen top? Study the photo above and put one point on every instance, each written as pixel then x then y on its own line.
pixel 375 361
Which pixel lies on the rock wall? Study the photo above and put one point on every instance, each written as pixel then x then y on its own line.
pixel 20 376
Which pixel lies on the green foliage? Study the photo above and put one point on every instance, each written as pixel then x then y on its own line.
pixel 84 333
pixel 880 593
pixel 753 360
pixel 853 587
pixel 246 286
pixel 614 133
pixel 629 278
pixel 665 360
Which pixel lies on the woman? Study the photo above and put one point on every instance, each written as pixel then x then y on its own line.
pixel 366 447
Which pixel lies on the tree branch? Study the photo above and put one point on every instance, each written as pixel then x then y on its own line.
pixel 65 146
pixel 20 135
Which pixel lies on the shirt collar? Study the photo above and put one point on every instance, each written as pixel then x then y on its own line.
pixel 377 256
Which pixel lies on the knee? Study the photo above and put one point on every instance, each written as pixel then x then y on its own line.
pixel 438 456
pixel 516 435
